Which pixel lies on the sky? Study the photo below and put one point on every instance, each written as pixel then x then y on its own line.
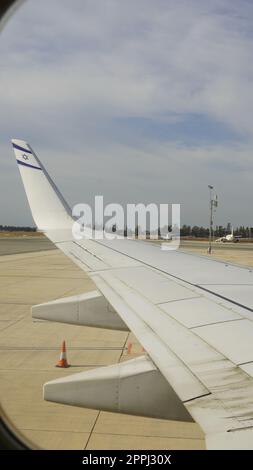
pixel 138 101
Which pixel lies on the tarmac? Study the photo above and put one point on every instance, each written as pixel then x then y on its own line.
pixel 25 244
pixel 30 349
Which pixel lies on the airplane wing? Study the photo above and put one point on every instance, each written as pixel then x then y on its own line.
pixel 192 315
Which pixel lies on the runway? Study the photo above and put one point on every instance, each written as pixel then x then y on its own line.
pixel 15 245
pixel 30 350
pixel 241 246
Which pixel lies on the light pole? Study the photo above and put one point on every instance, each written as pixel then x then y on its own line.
pixel 213 205
pixel 211 219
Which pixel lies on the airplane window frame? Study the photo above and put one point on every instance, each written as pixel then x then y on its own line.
pixel 9 440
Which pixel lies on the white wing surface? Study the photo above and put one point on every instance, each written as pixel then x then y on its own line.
pixel 192 315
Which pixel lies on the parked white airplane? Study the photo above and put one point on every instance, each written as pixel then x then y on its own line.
pixel 168 236
pixel 196 328
pixel 229 238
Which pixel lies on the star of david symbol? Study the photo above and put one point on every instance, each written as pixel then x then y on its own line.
pixel 25 157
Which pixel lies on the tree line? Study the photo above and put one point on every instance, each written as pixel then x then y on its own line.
pixel 14 228
pixel 218 231
pixel 185 231
pixel 196 231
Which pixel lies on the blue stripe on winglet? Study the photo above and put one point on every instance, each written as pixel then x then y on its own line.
pixel 27 164
pixel 21 148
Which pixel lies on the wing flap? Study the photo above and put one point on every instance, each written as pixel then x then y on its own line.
pixel 223 391
pixel 227 338
pixel 186 385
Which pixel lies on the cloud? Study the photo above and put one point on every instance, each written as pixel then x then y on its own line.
pixel 155 97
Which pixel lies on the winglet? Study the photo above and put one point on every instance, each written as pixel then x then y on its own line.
pixel 49 209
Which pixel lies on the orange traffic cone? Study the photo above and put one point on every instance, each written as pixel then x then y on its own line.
pixel 129 348
pixel 63 357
